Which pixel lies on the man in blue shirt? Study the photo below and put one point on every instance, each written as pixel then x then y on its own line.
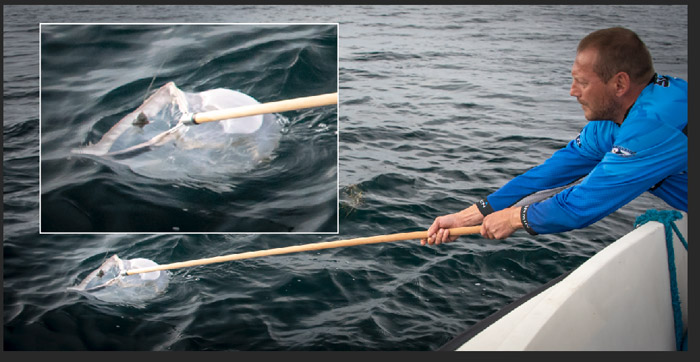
pixel 635 141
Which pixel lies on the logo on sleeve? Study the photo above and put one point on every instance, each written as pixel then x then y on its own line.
pixel 578 140
pixel 624 152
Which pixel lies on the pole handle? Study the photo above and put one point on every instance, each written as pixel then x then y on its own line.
pixel 305 247
pixel 263 108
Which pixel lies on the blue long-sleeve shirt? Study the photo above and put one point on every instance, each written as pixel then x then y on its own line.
pixel 616 163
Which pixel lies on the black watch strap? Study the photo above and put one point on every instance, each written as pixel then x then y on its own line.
pixel 484 207
pixel 523 219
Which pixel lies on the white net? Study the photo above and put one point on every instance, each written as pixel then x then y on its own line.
pixel 107 283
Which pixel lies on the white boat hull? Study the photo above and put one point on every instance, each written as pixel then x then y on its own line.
pixel 619 300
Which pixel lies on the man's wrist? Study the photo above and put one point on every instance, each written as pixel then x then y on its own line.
pixel 515 219
pixel 470 216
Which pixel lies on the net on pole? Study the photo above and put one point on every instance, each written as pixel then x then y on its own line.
pixel 109 284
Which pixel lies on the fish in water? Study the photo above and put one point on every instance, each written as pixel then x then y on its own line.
pixel 141 120
pixel 153 142
pixel 110 284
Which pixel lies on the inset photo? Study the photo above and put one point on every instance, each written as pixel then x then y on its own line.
pixel 189 128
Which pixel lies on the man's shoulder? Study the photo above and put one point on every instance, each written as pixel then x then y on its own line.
pixel 662 104
pixel 666 86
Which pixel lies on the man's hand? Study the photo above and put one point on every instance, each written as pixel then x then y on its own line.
pixel 501 224
pixel 438 232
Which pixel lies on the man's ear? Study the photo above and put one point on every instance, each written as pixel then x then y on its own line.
pixel 622 83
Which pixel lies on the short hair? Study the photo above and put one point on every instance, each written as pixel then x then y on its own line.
pixel 619 50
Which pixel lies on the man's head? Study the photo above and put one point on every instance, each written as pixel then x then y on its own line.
pixel 619 50
pixel 612 66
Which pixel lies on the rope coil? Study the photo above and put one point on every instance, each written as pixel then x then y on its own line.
pixel 667 218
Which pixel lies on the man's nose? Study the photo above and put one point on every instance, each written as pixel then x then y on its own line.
pixel 574 91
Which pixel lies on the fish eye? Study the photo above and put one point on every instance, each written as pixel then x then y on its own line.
pixel 141 120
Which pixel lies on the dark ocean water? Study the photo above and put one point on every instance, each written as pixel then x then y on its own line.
pixel 439 106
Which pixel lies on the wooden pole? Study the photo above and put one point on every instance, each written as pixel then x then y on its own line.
pixel 306 247
pixel 263 108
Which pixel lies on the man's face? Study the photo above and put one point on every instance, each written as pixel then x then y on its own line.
pixel 597 98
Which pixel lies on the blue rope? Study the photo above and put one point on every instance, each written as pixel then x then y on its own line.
pixel 667 218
